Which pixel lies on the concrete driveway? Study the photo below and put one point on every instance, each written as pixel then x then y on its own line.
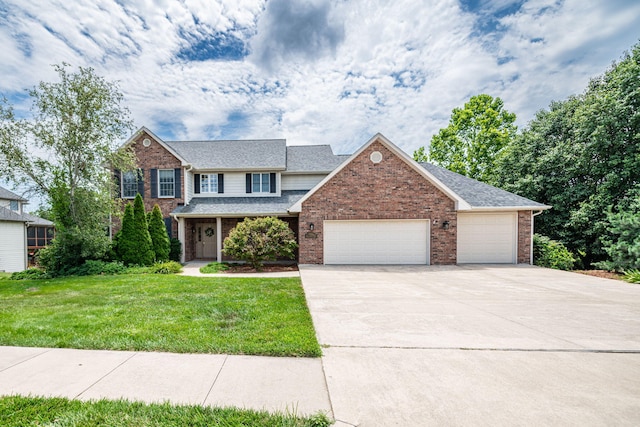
pixel 476 345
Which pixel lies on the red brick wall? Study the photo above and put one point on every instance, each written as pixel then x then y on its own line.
pixel 157 157
pixel 386 190
pixel 524 237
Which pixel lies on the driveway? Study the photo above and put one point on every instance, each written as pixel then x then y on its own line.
pixel 476 345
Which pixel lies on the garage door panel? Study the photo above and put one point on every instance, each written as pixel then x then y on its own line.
pixel 487 238
pixel 376 242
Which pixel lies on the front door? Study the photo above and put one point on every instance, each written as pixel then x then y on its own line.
pixel 206 240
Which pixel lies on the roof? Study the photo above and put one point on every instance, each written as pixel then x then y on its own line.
pixel 36 220
pixel 312 158
pixel 239 206
pixel 257 154
pixel 478 194
pixel 9 195
pixel 9 215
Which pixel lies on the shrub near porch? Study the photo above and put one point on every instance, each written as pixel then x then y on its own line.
pixel 160 313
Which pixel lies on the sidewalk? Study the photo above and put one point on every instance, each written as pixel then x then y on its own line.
pixel 262 383
pixel 192 268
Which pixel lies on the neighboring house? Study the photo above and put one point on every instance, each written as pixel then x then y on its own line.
pixel 377 206
pixel 15 226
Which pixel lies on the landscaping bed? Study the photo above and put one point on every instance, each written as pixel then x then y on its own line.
pixel 181 314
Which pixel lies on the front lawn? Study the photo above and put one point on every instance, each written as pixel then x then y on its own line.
pixel 34 411
pixel 261 316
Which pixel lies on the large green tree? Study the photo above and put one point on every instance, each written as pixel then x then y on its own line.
pixel 62 152
pixel 474 138
pixel 582 156
pixel 159 236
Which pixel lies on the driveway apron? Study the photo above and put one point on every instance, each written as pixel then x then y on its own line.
pixel 476 345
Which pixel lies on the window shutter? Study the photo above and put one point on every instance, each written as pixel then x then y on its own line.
pixel 220 183
pixel 116 179
pixel 272 182
pixel 248 183
pixel 154 183
pixel 178 183
pixel 141 182
pixel 196 183
pixel 167 225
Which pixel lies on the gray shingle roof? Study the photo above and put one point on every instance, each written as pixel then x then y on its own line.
pixel 9 215
pixel 312 158
pixel 265 154
pixel 479 194
pixel 36 220
pixel 225 206
pixel 9 195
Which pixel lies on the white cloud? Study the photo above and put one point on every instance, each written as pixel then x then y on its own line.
pixel 321 71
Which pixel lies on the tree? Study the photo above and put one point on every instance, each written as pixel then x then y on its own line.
pixel 260 239
pixel 582 156
pixel 159 236
pixel 124 242
pixel 622 243
pixel 141 236
pixel 62 152
pixel 475 136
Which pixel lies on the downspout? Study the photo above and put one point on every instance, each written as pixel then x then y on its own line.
pixel 533 215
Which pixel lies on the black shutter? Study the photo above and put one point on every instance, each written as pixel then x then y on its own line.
pixel 116 179
pixel 140 181
pixel 220 183
pixel 196 183
pixel 178 183
pixel 248 183
pixel 154 183
pixel 167 224
pixel 272 182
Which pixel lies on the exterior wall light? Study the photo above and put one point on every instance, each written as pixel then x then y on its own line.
pixel 311 226
pixel 445 225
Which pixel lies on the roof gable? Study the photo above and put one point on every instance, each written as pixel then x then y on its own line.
pixel 459 202
pixel 132 139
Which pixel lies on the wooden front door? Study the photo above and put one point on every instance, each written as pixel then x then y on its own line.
pixel 206 240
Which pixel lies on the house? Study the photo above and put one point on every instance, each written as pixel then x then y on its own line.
pixel 377 206
pixel 21 233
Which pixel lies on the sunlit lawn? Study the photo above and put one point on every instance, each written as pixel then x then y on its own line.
pixel 261 316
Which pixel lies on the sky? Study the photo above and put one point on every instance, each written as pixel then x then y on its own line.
pixel 316 71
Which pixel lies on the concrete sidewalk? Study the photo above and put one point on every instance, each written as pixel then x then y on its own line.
pixel 192 268
pixel 262 383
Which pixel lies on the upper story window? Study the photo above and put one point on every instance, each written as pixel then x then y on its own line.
pixel 129 185
pixel 13 205
pixel 209 183
pixel 166 179
pixel 261 182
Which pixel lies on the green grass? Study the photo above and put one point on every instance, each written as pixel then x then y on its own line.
pixel 4 275
pixel 34 411
pixel 214 267
pixel 261 316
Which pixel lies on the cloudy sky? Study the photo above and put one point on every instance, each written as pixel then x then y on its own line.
pixel 316 71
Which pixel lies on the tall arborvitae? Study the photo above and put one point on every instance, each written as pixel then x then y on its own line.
pixel 125 245
pixel 142 238
pixel 159 236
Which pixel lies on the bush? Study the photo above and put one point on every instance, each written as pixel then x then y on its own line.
pixel 159 238
pixel 551 253
pixel 622 244
pixel 94 268
pixel 175 249
pixel 134 246
pixel 29 274
pixel 632 276
pixel 260 239
pixel 169 267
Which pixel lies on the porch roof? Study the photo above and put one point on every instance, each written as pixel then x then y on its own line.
pixel 201 207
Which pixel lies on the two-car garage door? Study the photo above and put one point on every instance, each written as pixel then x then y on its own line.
pixel 376 242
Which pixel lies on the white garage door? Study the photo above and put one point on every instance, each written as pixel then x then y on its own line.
pixel 376 242
pixel 487 238
pixel 12 246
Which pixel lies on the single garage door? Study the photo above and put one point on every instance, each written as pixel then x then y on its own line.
pixel 376 242
pixel 487 238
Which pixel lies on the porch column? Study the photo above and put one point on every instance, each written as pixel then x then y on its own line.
pixel 181 237
pixel 219 239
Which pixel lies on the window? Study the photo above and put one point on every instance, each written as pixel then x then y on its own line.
pixel 129 185
pixel 209 183
pixel 166 178
pixel 13 205
pixel 39 237
pixel 260 183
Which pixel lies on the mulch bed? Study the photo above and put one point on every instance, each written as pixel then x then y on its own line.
pixel 269 268
pixel 601 273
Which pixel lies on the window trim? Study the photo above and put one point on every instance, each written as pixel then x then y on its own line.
pixel 123 182
pixel 210 177
pixel 262 183
pixel 173 181
pixel 15 203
